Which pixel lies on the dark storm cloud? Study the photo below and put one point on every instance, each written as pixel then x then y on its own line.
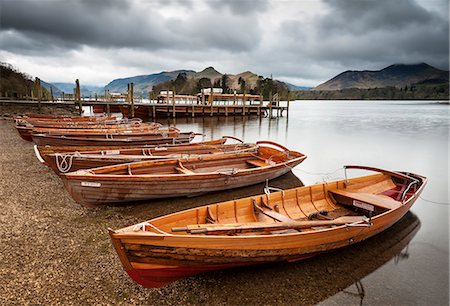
pixel 122 24
pixel 359 16
pixel 81 22
pixel 371 33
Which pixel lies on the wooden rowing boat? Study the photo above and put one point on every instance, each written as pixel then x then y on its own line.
pixel 42 151
pixel 117 131
pixel 26 131
pixel 284 225
pixel 38 123
pixel 183 177
pixel 73 161
pixel 107 140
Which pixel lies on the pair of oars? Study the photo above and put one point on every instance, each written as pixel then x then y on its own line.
pixel 235 228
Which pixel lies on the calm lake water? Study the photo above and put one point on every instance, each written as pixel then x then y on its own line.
pixel 408 264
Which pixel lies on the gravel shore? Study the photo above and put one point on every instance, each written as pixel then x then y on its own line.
pixel 52 250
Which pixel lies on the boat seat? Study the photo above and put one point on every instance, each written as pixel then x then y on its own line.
pixel 369 198
pixel 184 170
pixel 257 163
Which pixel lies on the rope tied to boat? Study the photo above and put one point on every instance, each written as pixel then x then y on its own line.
pixel 141 227
pixel 268 190
pixel 63 162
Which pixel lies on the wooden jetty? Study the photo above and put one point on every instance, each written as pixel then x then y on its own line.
pixel 166 104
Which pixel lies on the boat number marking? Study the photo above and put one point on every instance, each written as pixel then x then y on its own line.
pixel 363 205
pixel 90 184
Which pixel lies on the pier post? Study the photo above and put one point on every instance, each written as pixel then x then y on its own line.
pixel 173 102
pixel 243 104
pixel 78 96
pixel 270 105
pixel 51 94
pixel 154 111
pixel 108 110
pixel 62 96
pixel 211 100
pixel 226 111
pixel 288 102
pixel 132 98
pixel 39 93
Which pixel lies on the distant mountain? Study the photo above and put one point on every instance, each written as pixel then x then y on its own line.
pixel 398 75
pixel 293 87
pixel 143 84
pixel 56 90
pixel 209 73
pixel 86 90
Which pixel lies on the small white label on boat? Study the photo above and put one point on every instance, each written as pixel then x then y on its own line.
pixel 363 205
pixel 127 132
pixel 112 152
pixel 90 184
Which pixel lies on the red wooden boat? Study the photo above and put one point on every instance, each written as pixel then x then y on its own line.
pixel 183 177
pixel 285 225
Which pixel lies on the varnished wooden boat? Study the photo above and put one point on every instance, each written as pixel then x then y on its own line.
pixel 106 140
pixel 39 123
pixel 73 161
pixel 284 225
pixel 183 177
pixel 42 151
pixel 143 130
pixel 26 131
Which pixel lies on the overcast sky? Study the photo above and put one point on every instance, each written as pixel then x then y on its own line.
pixel 303 42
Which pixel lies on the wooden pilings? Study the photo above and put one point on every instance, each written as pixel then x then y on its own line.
pixel 39 93
pixel 78 96
pixel 132 99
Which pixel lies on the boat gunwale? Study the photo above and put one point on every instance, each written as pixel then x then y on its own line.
pixel 87 173
pixel 129 234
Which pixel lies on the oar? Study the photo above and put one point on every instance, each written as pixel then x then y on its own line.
pixel 258 227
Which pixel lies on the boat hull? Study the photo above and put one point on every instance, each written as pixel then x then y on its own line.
pixel 156 258
pixel 45 140
pixel 97 191
pixel 167 261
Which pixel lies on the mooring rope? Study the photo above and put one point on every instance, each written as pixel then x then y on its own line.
pixel 62 163
pixel 434 202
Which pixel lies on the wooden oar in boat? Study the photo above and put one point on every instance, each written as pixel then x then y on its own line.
pixel 42 151
pixel 234 228
pixel 73 161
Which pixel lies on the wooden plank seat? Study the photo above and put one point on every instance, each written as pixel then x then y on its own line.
pixel 257 163
pixel 372 199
